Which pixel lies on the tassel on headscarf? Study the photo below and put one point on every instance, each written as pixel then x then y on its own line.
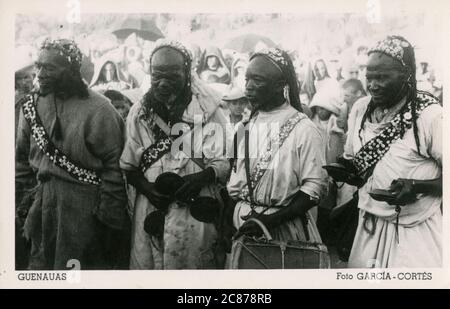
pixel 57 131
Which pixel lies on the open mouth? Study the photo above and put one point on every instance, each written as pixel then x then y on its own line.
pixel 164 93
pixel 251 98
pixel 377 96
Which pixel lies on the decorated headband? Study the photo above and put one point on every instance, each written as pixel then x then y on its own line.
pixel 275 55
pixel 175 45
pixel 67 49
pixel 282 61
pixel 393 47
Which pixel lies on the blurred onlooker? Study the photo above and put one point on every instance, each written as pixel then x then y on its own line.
pixel 351 70
pixel 23 81
pixel 213 63
pixel 23 84
pixel 322 78
pixel 305 101
pixel 107 76
pixel 237 105
pixel 424 78
pixel 196 56
pixel 326 109
pixel 134 65
pixel 307 82
pixel 304 98
pixel 238 68
pixel 335 69
pixel 320 70
pixel 120 102
pixel 353 90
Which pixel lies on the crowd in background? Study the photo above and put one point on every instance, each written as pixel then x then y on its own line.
pixel 329 86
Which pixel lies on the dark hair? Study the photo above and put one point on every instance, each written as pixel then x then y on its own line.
pixel 355 84
pixel 71 84
pixel 114 95
pixel 411 94
pixel 101 78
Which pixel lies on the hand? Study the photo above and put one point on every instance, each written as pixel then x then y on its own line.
pixel 193 183
pixel 348 164
pixel 404 189
pixel 352 178
pixel 157 199
pixel 251 228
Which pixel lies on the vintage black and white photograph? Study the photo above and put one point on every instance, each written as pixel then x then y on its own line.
pixel 243 140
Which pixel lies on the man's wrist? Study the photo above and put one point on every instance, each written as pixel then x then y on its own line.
pixel 415 186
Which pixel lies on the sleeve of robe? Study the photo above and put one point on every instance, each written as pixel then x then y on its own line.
pixel 105 138
pixel 215 143
pixel 311 158
pixel 357 110
pixel 133 149
pixel 430 132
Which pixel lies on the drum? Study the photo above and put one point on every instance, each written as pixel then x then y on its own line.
pixel 267 253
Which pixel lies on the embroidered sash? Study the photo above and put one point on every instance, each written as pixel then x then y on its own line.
pixel 369 155
pixel 155 152
pixel 54 154
pixel 276 143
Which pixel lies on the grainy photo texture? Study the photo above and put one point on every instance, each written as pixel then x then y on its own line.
pixel 155 141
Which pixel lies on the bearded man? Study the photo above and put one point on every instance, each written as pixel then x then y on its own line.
pixel 175 97
pixel 71 138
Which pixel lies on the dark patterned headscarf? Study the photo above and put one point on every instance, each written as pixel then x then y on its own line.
pixel 161 43
pixel 67 49
pixel 284 63
pixel 393 46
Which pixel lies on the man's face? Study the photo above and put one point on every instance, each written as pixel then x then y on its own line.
pixel 237 107
pixel 24 82
pixel 50 67
pixel 263 80
pixel 323 113
pixel 351 95
pixel 353 73
pixel 168 74
pixel 385 79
